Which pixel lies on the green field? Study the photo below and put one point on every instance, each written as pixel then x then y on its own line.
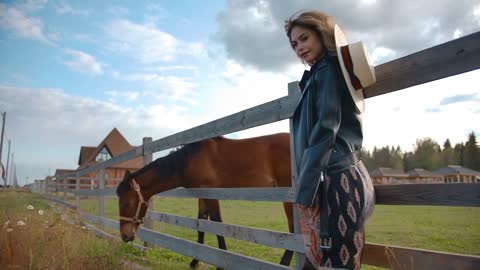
pixel 450 229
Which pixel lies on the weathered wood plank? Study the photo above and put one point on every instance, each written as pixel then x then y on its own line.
pixel 101 198
pixel 218 257
pixel 451 58
pixel 250 194
pixel 374 254
pixel 107 192
pixel 73 185
pixel 55 200
pixel 294 92
pixel 131 154
pixel 447 59
pixel 461 194
pixel 77 188
pixel 266 113
pixel 394 257
pixel 106 222
pixel 259 236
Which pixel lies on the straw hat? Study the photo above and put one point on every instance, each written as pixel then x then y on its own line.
pixel 356 67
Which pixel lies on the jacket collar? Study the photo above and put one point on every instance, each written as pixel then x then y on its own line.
pixel 306 74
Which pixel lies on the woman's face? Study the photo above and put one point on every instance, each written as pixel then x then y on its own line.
pixel 307 44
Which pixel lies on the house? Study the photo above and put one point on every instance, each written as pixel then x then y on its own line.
pixel 384 175
pixel 113 145
pixel 422 176
pixel 458 174
pixel 64 183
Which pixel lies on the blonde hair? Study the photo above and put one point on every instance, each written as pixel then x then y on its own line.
pixel 319 22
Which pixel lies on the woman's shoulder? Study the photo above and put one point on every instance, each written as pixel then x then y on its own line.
pixel 325 66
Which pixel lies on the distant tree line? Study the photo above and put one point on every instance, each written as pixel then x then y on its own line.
pixel 427 154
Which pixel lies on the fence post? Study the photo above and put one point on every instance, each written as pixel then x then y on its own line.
pixel 294 93
pixel 147 158
pixel 77 188
pixel 56 188
pixel 64 185
pixel 47 183
pixel 101 198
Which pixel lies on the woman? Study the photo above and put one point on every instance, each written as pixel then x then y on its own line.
pixel 334 193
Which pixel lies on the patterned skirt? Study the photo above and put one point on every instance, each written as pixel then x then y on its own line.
pixel 350 202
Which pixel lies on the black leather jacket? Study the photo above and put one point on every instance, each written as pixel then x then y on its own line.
pixel 327 128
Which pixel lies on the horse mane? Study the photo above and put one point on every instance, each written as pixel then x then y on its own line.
pixel 169 165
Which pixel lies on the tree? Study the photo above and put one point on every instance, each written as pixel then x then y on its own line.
pixel 458 153
pixel 367 159
pixel 448 155
pixel 408 163
pixel 387 157
pixel 426 154
pixel 396 158
pixel 471 153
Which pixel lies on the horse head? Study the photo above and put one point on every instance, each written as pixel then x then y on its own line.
pixel 132 205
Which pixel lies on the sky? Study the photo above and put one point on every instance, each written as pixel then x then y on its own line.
pixel 71 71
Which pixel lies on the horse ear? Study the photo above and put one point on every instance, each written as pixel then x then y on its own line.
pixel 127 176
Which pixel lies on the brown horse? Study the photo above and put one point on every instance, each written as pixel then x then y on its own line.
pixel 214 163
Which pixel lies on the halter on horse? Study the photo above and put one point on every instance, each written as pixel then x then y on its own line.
pixel 135 219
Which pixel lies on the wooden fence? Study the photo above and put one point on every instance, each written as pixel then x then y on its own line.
pixel 451 58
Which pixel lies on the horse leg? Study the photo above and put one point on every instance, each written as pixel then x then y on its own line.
pixel 288 254
pixel 215 215
pixel 202 214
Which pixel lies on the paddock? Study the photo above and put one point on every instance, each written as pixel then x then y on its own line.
pixel 448 59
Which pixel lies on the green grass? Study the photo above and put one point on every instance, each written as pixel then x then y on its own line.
pixel 39 238
pixel 449 229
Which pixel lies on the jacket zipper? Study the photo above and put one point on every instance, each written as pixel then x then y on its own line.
pixel 308 113
pixel 321 179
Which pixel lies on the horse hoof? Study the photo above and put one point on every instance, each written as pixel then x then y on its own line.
pixel 194 264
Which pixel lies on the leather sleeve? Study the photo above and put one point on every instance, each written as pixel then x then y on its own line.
pixel 327 115
pixel 325 122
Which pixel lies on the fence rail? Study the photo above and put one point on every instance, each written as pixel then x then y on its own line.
pixel 452 58
pixel 449 194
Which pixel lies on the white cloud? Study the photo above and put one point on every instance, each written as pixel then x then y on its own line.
pixel 196 49
pixel 32 5
pixel 129 96
pixel 457 33
pixel 246 87
pixel 252 31
pixel 476 13
pixel 49 126
pixel 172 89
pixel 15 20
pixel 65 8
pixel 381 53
pixel 147 43
pixel 84 62
pixel 398 118
pixel 164 88
pixel 117 11
pixel 402 117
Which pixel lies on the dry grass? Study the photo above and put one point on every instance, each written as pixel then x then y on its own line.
pixel 30 239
